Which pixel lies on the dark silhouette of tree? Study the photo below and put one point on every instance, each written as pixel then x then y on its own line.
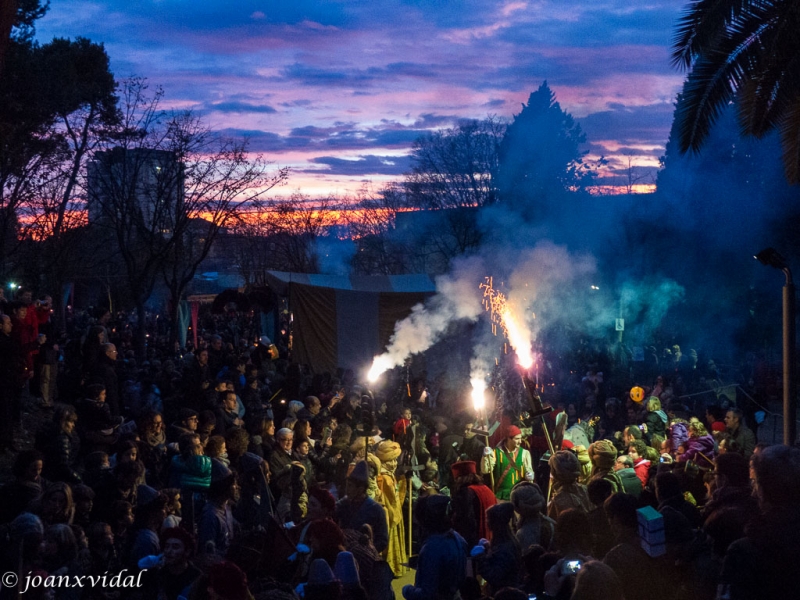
pixel 540 157
pixel 165 190
pixel 55 101
pixel 371 225
pixel 744 51
pixel 455 168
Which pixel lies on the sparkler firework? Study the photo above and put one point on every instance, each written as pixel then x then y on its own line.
pixel 514 329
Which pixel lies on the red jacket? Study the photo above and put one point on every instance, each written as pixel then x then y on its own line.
pixel 642 470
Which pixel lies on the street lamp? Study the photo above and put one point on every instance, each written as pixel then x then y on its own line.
pixel 772 258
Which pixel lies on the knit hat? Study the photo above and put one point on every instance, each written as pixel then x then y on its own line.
pixel 432 511
pixel 145 495
pixel 527 499
pixel 513 431
pixel 360 473
pixel 346 569
pixel 387 451
pixel 603 453
pixel 82 492
pixel 718 426
pixel 564 466
pixel 463 468
pixel 500 514
pixel 248 462
pixel 219 471
pixel 25 524
pixel 320 573
pixel 228 580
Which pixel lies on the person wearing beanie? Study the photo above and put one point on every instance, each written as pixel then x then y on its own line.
pixel 256 505
pixel 346 571
pixel 151 508
pixel 357 509
pixel 217 525
pixel 533 527
pixel 603 455
pixel 321 585
pixel 499 562
pixel 508 462
pixel 471 498
pixel 442 564
pixel 567 492
pixel 392 500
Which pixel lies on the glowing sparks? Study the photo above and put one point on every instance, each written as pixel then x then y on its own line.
pixel 380 365
pixel 500 313
pixel 478 393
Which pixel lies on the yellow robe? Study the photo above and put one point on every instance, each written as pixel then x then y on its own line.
pixel 395 553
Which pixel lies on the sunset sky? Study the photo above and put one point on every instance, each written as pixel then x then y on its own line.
pixel 339 89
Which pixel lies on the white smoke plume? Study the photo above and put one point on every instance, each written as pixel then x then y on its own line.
pixel 457 298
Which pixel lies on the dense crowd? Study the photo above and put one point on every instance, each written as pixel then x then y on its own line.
pixel 228 471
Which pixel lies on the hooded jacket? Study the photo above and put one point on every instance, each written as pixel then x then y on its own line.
pixel 697 445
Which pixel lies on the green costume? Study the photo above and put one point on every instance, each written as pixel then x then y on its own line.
pixel 507 472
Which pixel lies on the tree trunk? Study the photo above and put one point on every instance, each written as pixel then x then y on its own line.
pixel 174 312
pixel 141 330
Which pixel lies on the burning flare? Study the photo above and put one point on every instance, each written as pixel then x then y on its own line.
pixel 518 338
pixel 478 393
pixel 380 365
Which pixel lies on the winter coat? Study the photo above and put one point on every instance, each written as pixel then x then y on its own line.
pixel 539 530
pixel 612 477
pixel 60 451
pixel 678 434
pixel 697 445
pixel 642 470
pixel 631 484
pixel 501 566
pixel 573 495
pixel 192 474
pixel 106 373
pixel 656 422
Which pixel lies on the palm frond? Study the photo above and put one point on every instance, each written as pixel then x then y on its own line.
pixel 790 141
pixel 711 85
pixel 703 23
pixel 773 82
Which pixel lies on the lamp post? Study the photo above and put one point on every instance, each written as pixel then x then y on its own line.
pixel 770 257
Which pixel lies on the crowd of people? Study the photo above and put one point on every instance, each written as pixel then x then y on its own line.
pixel 228 471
